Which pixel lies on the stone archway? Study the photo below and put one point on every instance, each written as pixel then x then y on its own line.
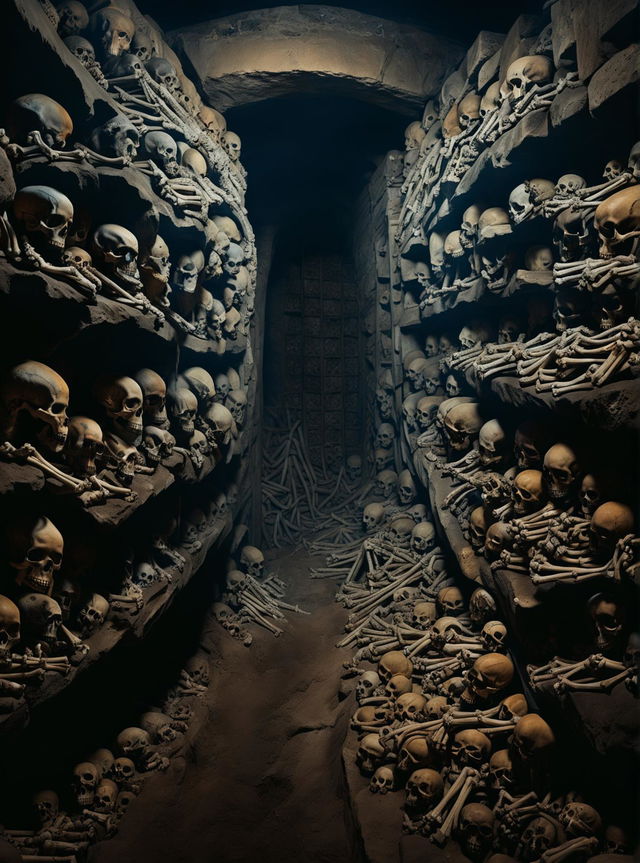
pixel 267 53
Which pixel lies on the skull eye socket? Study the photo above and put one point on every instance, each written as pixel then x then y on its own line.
pixel 607 229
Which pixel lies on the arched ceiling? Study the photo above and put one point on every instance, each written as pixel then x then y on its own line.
pixel 283 50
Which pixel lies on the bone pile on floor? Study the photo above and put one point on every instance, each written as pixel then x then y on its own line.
pixel 441 715
pixel 105 782
pixel 299 499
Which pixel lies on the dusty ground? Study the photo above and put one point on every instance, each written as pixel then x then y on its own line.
pixel 262 779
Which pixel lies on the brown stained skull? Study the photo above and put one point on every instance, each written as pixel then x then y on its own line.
pixel 477 528
pixel 617 221
pixel 425 788
pixel 121 400
pixel 41 618
pixel 43 216
pixel 561 472
pixel 83 446
pixel 84 782
pixel 34 406
pixel 609 621
pixel 527 492
pixel 35 553
pixel 475 830
pixel 111 32
pixel 123 458
pixel 492 443
pixel 610 522
pixel 35 112
pixel 489 675
pixel 9 627
pixel 414 754
pixel 382 781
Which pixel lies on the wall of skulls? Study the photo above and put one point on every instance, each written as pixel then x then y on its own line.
pixel 492 606
pixel 127 284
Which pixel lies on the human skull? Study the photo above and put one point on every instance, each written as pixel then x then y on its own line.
pixel 232 322
pixel 154 397
pixel 421 274
pixel 531 440
pixel 407 491
pixel 394 662
pixel 561 472
pixel 491 99
pixel 426 410
pixel 47 805
pixel 252 561
pixel 145 575
pixel 609 619
pixel 494 636
pixel 414 754
pixel 571 235
pixel 111 31
pixel 477 528
pixel 569 184
pixel 424 789
pixel 233 260
pixel 35 553
pixel 610 522
pixel 163 72
pixel 492 442
pixel 450 601
pixel 367 683
pixel 415 371
pixel 482 606
pixel 424 614
pixel 527 492
pixel 509 328
pixel 475 830
pixel 194 162
pixel 115 251
pixel 353 467
pixel 382 459
pixel 382 781
pixel 232 144
pixel 158 726
pixel 183 406
pixel 82 49
pixel 461 424
pixel 35 112
pixel 34 403
pixel 580 819
pixel 489 674
pixel 236 402
pixel 217 322
pixel 633 163
pixel 106 796
pixel 92 614
pixel 469 226
pixel 539 836
pixel 370 753
pixel 84 782
pixel 385 436
pixel 221 423
pixel 400 530
pixel 73 17
pixel 617 840
pixel 212 120
pixel 409 707
pixel 531 736
pixel 43 215
pixel 142 45
pixel 470 748
pixel 372 516
pixel 117 137
pixel 414 135
pixel 539 258
pixel 385 483
pixel 124 801
pixel 493 222
pixel 419 513
pixel 617 221
pixel 521 207
pixel 134 743
pixel 398 685
pixel 124 771
pixel 121 400
pixel 123 458
pixel 162 150
pixel 526 72
pixel 469 110
pixel 500 771
pixel 9 627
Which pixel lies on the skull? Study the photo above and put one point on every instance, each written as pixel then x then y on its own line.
pixel 124 801
pixel 194 525
pixel 353 467
pixel 477 528
pixel 145 575
pixel 415 371
pixel 382 459
pixel 212 120
pixel 82 49
pixel 154 396
pixel 580 819
pixel 437 706
pixel 382 781
pixel 44 215
pixel 611 306
pixel 394 662
pixel 34 403
pixel 158 726
pixel 92 614
pixel 424 789
pixel 494 636
pixel 47 806
pixel 462 423
pixel 527 492
pixel 540 835
pixel 421 274
pixel 612 169
pixel 475 830
pixel 115 250
pixel 491 444
pixel 217 321
pixel 469 226
pixel 124 771
pixel 423 537
pixel 236 402
pixel 398 685
pixel 414 754
pixel 222 387
pixel 617 221
pixel 252 561
pixel 594 490
pixel 498 537
pixel 84 783
pixel 500 771
pixel 509 328
pixel 232 144
pixel 222 424
pixel 470 748
pixel 35 553
pixel 539 258
pixel 134 743
pixel 491 100
pixel 617 840
pixel 452 246
pixel 469 110
pixel 367 683
pixel 117 137
pixel 232 322
pixel 372 516
pixel 489 675
pixel 234 259
pixel 9 627
pixel 201 384
pixel 633 164
pixel 106 796
pixel 414 135
pixel 400 530
pixel 531 736
pixel 162 150
pixel 123 458
pixel 194 162
pixel 560 472
pixel 74 256
pixel 493 223
pixel 124 65
pixel 610 522
pixel 526 72
pixel 569 184
pixel 531 440
pixel 121 400
pixel 450 602
pixel 385 436
pixel 385 483
pixel 370 752
pixel 407 491
pixel 111 31
pixel 452 689
pixel 426 410
pixel 183 406
pixel 142 46
pixel 482 606
pixel 418 513
pixel 609 618
pixel 521 206
pixel 424 614
pixel 163 72
pixel 571 236
pixel 36 112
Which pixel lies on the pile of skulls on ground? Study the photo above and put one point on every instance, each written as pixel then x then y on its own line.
pixel 103 785
pixel 252 595
pixel 544 509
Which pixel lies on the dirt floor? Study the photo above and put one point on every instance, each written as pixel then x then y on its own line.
pixel 262 780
